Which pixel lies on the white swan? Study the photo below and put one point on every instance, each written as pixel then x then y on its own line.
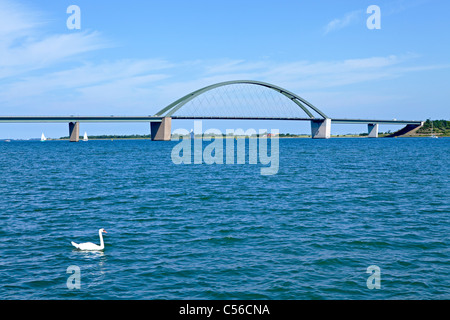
pixel 91 246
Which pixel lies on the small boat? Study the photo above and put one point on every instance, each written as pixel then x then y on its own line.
pixel 432 133
pixel 85 138
pixel 43 138
pixel 7 140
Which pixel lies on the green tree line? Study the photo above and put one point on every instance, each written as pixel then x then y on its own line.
pixel 438 126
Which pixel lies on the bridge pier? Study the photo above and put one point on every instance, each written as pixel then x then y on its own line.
pixel 161 131
pixel 74 131
pixel 321 128
pixel 373 130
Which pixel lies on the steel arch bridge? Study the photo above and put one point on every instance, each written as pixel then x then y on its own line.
pixel 161 123
pixel 304 105
pixel 320 124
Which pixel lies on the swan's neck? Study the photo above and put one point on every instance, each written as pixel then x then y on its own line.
pixel 102 244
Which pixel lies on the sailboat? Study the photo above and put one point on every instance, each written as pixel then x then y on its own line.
pixel 85 138
pixel 43 138
pixel 432 134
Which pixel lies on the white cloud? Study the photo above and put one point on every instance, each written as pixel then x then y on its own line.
pixel 346 20
pixel 15 20
pixel 49 70
pixel 310 75
pixel 399 6
pixel 45 52
pixel 25 46
pixel 88 75
pixel 93 88
pixel 222 66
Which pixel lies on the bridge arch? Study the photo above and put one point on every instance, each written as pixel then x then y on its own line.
pixel 299 101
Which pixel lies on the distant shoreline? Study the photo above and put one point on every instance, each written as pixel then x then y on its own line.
pixel 440 128
pixel 219 137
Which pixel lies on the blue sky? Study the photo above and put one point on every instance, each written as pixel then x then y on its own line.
pixel 135 57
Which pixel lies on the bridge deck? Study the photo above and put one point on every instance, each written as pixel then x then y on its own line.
pixel 366 121
pixel 30 119
pixel 349 121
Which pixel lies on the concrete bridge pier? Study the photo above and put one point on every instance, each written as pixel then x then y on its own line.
pixel 161 131
pixel 373 130
pixel 74 131
pixel 321 128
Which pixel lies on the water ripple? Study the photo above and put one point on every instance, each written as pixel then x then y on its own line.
pixel 226 232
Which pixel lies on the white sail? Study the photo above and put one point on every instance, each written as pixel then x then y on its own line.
pixel 432 131
pixel 43 138
pixel 85 138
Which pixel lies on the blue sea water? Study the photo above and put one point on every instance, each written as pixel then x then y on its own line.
pixel 203 231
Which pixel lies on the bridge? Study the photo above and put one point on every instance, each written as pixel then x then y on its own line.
pixel 231 100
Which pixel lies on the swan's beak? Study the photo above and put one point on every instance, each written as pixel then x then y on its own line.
pixel 104 231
